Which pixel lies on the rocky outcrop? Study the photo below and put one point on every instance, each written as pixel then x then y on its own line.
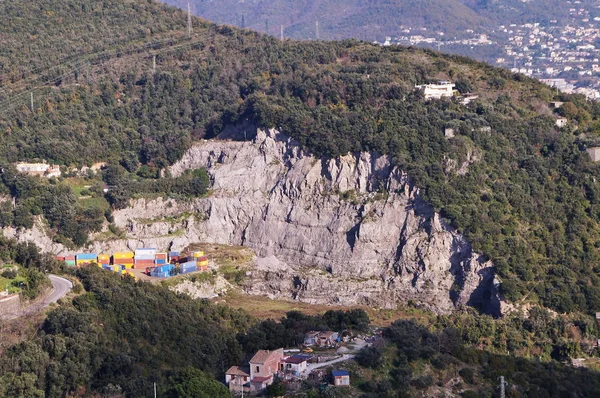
pixel 349 230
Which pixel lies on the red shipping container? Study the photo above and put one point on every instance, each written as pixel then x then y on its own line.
pixel 60 258
pixel 69 257
pixel 143 264
pixel 161 256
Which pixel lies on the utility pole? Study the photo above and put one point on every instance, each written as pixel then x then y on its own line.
pixel 502 388
pixel 281 32
pixel 154 389
pixel 243 22
pixel 317 29
pixel 189 20
pixel 154 63
pixel 31 102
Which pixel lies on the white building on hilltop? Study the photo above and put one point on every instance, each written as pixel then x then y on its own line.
pixel 437 91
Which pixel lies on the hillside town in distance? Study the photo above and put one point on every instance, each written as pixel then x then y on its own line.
pixel 563 56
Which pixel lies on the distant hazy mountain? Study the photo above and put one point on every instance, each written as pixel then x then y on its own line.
pixel 374 19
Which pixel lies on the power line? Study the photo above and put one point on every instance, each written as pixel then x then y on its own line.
pixel 189 20
pixel 9 103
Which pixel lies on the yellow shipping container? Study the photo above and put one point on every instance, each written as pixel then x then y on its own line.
pixel 103 257
pixel 202 263
pixel 198 254
pixel 123 255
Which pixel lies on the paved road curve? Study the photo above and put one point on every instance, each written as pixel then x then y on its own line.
pixel 60 288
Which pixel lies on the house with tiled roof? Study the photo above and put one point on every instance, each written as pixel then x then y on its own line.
pixel 238 378
pixel 262 370
pixel 295 364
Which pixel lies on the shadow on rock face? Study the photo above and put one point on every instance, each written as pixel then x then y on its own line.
pixel 485 297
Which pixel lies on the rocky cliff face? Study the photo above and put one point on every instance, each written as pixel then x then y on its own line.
pixel 350 230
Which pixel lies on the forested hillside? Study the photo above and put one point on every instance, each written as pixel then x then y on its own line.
pixel 529 201
pixel 119 337
pixel 374 20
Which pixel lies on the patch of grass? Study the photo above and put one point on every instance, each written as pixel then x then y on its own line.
pixel 264 308
pixel 97 202
pixel 224 255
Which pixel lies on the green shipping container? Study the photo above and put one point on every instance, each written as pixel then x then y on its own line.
pixel 70 263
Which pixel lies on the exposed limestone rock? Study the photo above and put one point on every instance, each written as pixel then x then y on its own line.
pixel 350 230
pixel 203 290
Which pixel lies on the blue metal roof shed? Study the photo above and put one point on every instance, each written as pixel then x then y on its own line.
pixel 339 373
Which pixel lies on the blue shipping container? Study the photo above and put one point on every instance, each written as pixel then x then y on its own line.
pixel 160 261
pixel 107 266
pixel 160 274
pixel 165 267
pixel 187 271
pixel 173 254
pixel 86 256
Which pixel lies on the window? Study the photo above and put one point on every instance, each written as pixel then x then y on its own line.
pixel 258 369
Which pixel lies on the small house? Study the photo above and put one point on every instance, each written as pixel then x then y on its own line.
pixel 325 339
pixel 263 365
pixel 237 377
pixel 295 364
pixel 340 377
pixel 561 122
pixel 311 338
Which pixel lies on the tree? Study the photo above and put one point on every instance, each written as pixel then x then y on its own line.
pixel 193 383
pixel 276 389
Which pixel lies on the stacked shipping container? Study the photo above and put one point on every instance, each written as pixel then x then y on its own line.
pixel 160 258
pixel 187 267
pixel 103 259
pixel 163 271
pixel 70 261
pixel 125 258
pixel 144 257
pixel 85 258
pixel 155 264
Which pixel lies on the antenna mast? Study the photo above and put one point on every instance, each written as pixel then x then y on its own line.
pixel 31 102
pixel 281 33
pixel 189 20
pixel 317 29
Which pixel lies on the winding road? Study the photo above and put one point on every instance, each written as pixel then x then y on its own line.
pixel 60 288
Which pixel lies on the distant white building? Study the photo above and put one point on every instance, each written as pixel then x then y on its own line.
pixel 437 91
pixel 38 169
pixel 561 122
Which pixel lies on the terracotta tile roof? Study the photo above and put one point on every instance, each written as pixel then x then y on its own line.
pixel 261 379
pixel 238 371
pixel 263 356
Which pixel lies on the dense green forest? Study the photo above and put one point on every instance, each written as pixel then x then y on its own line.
pixel 118 337
pixel 529 202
